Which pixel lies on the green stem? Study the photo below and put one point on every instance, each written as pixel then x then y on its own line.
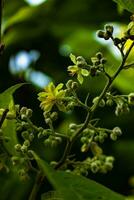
pixel 1 9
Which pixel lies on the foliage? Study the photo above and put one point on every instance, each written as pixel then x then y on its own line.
pixel 32 151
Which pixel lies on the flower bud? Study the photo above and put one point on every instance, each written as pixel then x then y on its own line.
pixel 26 143
pixel 99 55
pixel 117 131
pixel 131 98
pixel 100 34
pixel 18 147
pixel 94 167
pixel 23 110
pixel 109 29
pixel 29 112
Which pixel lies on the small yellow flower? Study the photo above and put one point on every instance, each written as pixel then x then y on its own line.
pixel 75 70
pixel 52 96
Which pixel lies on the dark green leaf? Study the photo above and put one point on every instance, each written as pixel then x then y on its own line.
pixel 9 126
pixel 126 4
pixel 76 187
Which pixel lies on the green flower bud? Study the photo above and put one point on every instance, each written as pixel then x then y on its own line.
pixel 110 159
pixel 17 108
pixel 109 29
pixel 18 147
pixel 29 112
pixel 54 116
pixel 25 135
pixel 24 117
pixel 100 34
pixel 54 143
pixel 84 139
pixel 108 165
pixel 95 100
pixel 99 55
pixel 72 126
pixel 94 167
pixel 31 137
pixel 96 138
pixel 131 98
pixel 102 103
pixel 106 36
pixel 117 131
pixel 80 61
pixel 58 139
pixel 26 143
pixel 47 142
pixel 24 149
pixel 23 110
pixel 48 121
pixel 53 163
pixel 109 102
pixel 113 136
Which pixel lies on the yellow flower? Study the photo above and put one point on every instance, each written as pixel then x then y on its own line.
pixel 52 96
pixel 75 70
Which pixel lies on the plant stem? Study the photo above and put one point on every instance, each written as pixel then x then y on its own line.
pixel 37 185
pixel 1 9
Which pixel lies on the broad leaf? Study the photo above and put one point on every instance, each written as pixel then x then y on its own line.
pixel 76 187
pixel 9 126
pixel 126 4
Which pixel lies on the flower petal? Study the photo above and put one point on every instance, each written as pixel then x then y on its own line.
pixel 73 58
pixel 80 78
pixel 84 72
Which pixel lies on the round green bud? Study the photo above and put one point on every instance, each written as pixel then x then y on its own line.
pixel 94 167
pixel 31 137
pixel 95 100
pixel 108 165
pixel 118 110
pixel 23 110
pixel 101 139
pixel 99 55
pixel 47 142
pixel 54 116
pixel 24 149
pixel 109 29
pixel 113 136
pixel 110 159
pixel 80 61
pixel 100 34
pixel 72 126
pixel 18 147
pixel 25 135
pixel 29 112
pixel 109 102
pixel 106 36
pixel 86 131
pixel 53 163
pixel 102 103
pixel 84 139
pixel 131 98
pixel 48 121
pixel 17 108
pixel 24 117
pixel 96 138
pixel 117 131
pixel 26 143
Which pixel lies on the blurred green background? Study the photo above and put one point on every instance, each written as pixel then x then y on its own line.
pixel 39 35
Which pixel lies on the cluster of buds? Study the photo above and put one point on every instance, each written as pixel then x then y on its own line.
pixel 98 62
pixel 106 33
pixel 101 164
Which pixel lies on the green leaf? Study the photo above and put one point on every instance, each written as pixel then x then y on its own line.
pixel 76 187
pixel 80 78
pixel 73 58
pixel 9 126
pixel 126 4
